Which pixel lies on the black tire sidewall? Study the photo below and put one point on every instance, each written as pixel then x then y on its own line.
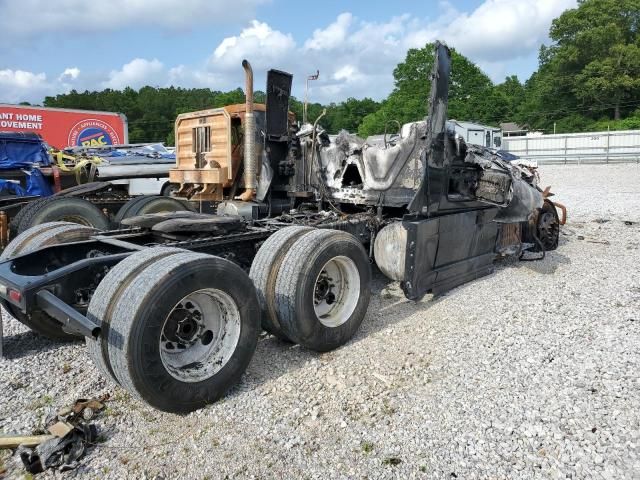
pixel 148 204
pixel 310 332
pixel 129 206
pixel 548 207
pixel 150 378
pixel 59 209
pixel 158 205
pixel 25 212
pixel 168 189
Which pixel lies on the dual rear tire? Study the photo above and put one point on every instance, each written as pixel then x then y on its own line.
pixel 313 286
pixel 83 212
pixel 178 328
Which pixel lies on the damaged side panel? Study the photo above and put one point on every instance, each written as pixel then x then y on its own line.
pixel 503 184
pixel 446 251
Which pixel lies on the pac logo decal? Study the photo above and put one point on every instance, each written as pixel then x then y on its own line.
pixel 92 133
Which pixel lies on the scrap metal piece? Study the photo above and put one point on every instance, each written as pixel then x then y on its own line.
pixel 60 429
pixel 82 404
pixel 58 452
pixel 563 209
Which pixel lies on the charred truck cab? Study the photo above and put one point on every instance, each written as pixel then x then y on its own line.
pixel 284 223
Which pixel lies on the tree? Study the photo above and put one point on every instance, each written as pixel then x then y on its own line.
pixel 591 68
pixel 614 79
pixel 508 97
pixel 348 115
pixel 470 92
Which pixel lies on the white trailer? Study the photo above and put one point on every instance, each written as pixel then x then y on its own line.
pixel 477 133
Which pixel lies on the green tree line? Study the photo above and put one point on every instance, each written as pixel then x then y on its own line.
pixel 588 79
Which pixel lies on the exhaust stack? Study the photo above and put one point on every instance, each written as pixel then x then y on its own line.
pixel 250 163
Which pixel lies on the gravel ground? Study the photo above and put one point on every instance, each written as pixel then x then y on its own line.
pixel 530 372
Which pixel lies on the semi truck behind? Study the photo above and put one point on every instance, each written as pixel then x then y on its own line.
pixel 61 127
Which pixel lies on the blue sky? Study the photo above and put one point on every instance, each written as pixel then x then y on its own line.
pixel 59 45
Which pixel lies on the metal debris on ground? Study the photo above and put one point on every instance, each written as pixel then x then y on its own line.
pixel 62 453
pixel 70 435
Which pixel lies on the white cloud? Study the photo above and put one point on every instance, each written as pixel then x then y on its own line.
pixel 18 85
pixel 137 73
pixel 504 29
pixel 21 79
pixel 69 74
pixel 332 36
pixel 348 73
pixel 47 16
pixel 355 57
pixel 259 43
pixel 193 77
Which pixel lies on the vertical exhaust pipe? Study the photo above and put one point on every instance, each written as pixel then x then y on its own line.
pixel 250 163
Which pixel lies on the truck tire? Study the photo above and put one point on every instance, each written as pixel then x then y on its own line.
pixel 149 204
pixel 323 289
pixel 124 209
pixel 169 188
pixel 34 206
pixel 66 209
pixel 20 241
pixel 183 331
pixel 39 236
pixel 264 271
pixel 107 295
pixel 547 228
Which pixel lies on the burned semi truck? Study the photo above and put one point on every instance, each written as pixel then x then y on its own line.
pixel 286 224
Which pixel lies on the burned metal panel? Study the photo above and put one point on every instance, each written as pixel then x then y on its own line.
pixel 509 240
pixel 446 251
pixel 357 172
pixel 504 184
pixel 278 93
pixel 435 133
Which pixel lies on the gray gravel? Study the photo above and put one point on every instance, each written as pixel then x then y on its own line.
pixel 530 372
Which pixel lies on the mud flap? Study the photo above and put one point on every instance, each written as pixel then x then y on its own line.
pixel 446 251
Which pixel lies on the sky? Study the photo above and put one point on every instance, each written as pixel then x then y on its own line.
pixel 50 47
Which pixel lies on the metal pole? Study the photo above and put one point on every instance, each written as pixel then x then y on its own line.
pixel 306 95
pixel 306 99
pixel 608 142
